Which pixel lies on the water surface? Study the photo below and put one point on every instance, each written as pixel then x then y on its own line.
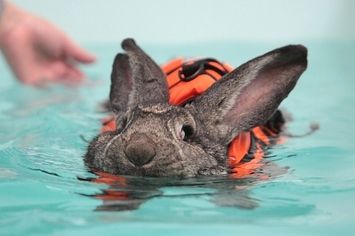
pixel 45 188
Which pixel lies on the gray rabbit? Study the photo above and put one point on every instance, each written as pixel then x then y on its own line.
pixel 154 138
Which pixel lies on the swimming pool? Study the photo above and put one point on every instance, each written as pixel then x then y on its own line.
pixel 43 181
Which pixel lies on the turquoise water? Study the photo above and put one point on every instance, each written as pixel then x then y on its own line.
pixel 43 181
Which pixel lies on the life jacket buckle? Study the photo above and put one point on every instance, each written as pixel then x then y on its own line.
pixel 190 70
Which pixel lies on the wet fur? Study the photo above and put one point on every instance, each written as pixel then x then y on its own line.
pixel 241 100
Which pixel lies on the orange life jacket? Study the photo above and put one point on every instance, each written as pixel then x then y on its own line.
pixel 187 79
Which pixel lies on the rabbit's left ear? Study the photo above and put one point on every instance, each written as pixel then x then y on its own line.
pixel 136 80
pixel 249 95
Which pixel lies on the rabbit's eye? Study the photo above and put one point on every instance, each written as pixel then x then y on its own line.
pixel 186 132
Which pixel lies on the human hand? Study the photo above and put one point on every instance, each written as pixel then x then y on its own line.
pixel 37 51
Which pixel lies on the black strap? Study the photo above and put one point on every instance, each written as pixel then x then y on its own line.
pixel 189 71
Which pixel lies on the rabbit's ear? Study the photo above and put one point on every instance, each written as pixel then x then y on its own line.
pixel 249 95
pixel 136 80
pixel 149 83
pixel 121 84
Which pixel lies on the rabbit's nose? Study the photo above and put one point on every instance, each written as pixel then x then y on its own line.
pixel 140 150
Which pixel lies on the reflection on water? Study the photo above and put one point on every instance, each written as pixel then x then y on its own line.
pixel 129 192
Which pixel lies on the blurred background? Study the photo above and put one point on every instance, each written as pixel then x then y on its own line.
pixel 230 30
pixel 187 21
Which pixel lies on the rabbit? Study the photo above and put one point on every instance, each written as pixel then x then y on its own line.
pixel 156 139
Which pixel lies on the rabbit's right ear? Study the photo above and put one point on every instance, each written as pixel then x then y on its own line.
pixel 136 80
pixel 121 84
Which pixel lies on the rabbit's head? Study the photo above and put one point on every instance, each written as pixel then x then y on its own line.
pixel 154 138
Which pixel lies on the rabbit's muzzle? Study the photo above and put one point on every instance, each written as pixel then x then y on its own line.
pixel 140 150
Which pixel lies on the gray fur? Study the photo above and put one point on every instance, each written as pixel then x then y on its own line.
pixel 148 140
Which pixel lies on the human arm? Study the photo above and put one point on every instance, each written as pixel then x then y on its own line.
pixel 36 50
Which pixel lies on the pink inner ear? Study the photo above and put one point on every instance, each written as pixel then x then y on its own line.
pixel 258 100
